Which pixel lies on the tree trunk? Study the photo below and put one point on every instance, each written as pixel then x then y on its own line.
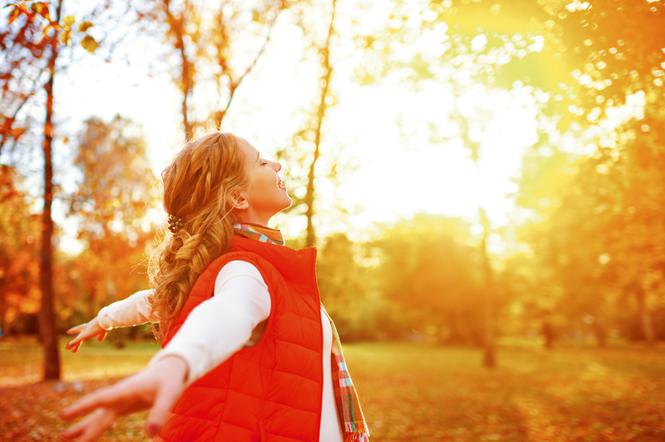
pixel 489 343
pixel 218 115
pixel 92 302
pixel 185 78
pixel 47 326
pixel 177 26
pixel 646 323
pixel 320 116
pixel 600 332
pixel 3 313
pixel 548 333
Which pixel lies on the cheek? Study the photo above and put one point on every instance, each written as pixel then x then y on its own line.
pixel 269 184
pixel 264 189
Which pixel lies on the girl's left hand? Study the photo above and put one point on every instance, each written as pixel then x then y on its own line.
pixel 85 331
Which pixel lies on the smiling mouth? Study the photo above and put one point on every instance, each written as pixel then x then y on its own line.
pixel 280 183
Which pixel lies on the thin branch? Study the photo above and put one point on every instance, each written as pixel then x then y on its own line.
pixel 234 84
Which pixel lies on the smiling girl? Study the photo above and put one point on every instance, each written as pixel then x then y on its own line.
pixel 249 352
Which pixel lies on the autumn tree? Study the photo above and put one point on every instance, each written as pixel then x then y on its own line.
pixel 207 39
pixel 433 275
pixel 591 205
pixel 465 55
pixel 310 156
pixel 19 251
pixel 320 114
pixel 351 291
pixel 36 36
pixel 115 192
pixel 579 60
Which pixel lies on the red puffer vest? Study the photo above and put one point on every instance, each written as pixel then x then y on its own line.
pixel 271 391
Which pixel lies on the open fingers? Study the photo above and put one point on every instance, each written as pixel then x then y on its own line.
pixel 92 426
pixel 126 394
pixel 98 426
pixel 164 401
pixel 76 329
pixel 86 333
pixel 105 396
pixel 78 428
pixel 74 348
pixel 75 343
pixel 75 430
pixel 102 335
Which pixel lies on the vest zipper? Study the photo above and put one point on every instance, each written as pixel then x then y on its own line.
pixel 318 295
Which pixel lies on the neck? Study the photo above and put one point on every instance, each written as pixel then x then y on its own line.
pixel 251 223
pixel 262 220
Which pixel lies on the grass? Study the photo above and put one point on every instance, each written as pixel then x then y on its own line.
pixel 409 392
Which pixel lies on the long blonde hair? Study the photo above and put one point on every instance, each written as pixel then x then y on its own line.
pixel 197 188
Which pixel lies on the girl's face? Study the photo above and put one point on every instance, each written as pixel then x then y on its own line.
pixel 266 194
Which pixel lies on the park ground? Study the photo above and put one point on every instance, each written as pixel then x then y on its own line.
pixel 409 391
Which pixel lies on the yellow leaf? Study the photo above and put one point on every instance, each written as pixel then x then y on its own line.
pixel 84 25
pixel 89 43
pixel 65 37
pixel 68 20
pixel 40 8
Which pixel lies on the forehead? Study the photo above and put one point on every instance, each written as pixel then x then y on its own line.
pixel 250 151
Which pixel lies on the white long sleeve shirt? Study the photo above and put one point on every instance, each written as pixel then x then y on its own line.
pixel 222 325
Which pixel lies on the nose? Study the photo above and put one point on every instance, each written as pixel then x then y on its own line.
pixel 278 166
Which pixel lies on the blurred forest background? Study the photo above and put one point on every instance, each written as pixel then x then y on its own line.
pixel 586 259
pixel 562 100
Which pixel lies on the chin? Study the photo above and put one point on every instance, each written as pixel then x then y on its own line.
pixel 288 203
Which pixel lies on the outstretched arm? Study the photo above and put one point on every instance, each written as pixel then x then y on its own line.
pixel 133 310
pixel 213 331
pixel 221 325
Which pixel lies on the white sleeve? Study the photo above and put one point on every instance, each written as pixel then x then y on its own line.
pixel 133 310
pixel 222 324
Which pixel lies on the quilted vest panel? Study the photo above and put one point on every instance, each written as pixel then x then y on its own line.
pixel 271 391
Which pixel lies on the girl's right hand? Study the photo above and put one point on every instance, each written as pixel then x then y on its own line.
pixel 85 331
pixel 156 387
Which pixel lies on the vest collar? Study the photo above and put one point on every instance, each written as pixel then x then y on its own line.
pixel 296 265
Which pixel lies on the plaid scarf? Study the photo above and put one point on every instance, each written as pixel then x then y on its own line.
pixel 259 232
pixel 346 398
pixel 348 405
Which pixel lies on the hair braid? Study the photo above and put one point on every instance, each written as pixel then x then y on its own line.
pixel 196 189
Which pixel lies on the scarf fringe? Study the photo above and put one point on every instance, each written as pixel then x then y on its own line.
pixel 358 436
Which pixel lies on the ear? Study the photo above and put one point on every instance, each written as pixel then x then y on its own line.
pixel 240 200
